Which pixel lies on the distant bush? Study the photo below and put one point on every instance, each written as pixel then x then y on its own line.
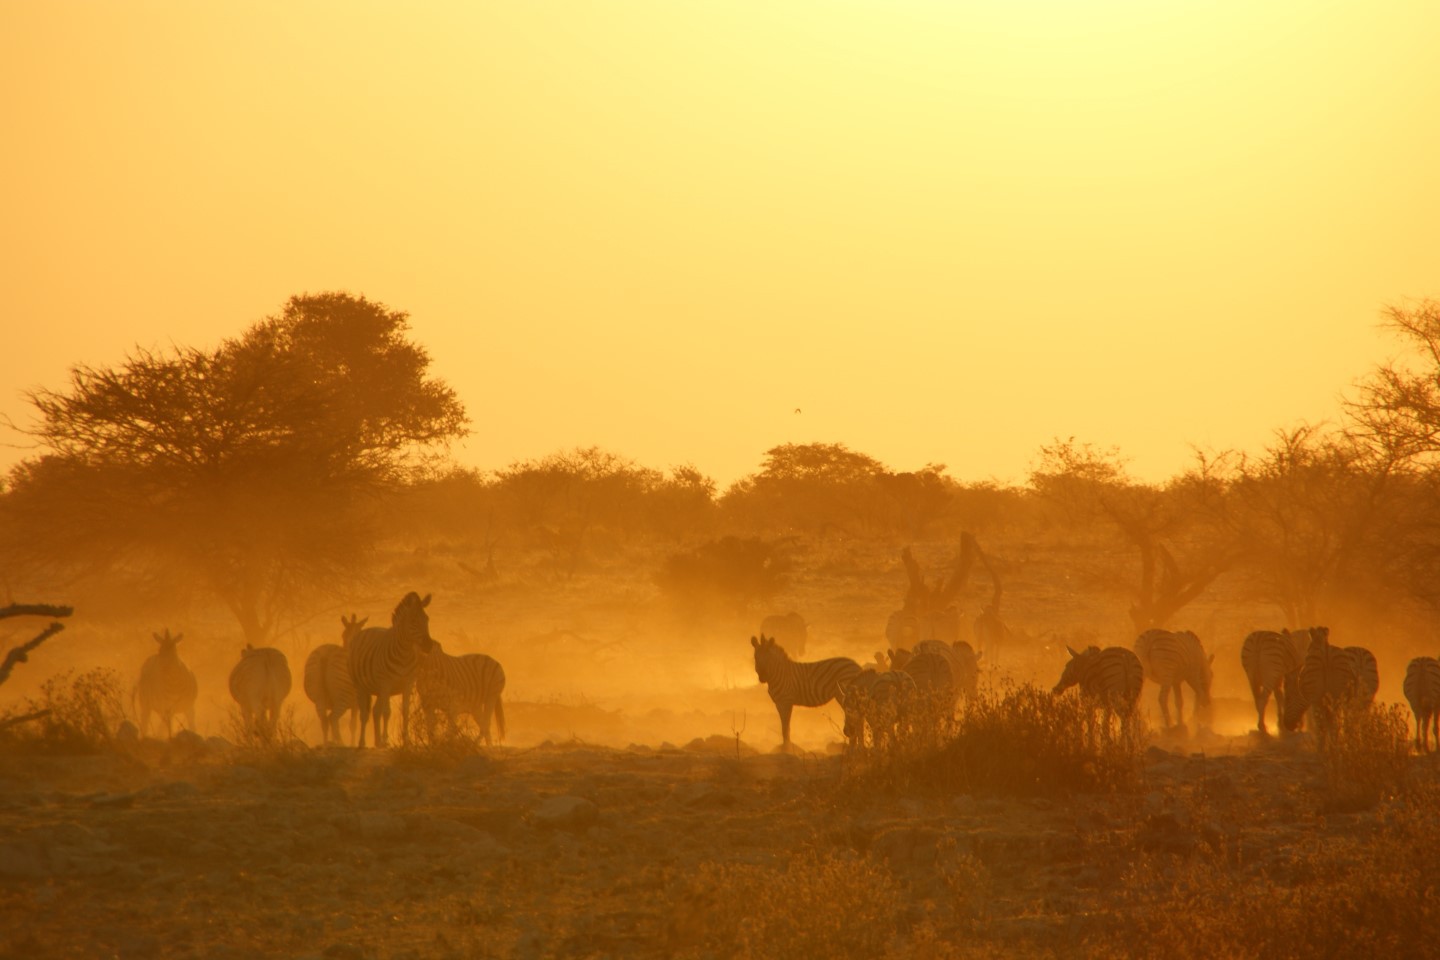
pixel 732 572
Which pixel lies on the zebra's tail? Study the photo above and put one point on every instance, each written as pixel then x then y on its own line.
pixel 499 717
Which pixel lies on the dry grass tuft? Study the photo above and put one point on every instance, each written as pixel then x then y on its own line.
pixel 1366 757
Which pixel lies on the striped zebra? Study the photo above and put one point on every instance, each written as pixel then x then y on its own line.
pixel 471 684
pixel 793 684
pixel 934 679
pixel 789 630
pixel 1422 689
pixel 1171 659
pixel 167 687
pixel 1111 678
pixel 1367 674
pixel 1326 682
pixel 1272 663
pixel 327 681
pixel 961 658
pixel 879 700
pixel 383 661
pixel 260 682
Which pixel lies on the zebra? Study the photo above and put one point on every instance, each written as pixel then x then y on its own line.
pixel 932 675
pixel 1326 682
pixel 1367 675
pixel 383 661
pixel 881 700
pixel 1171 659
pixel 1272 662
pixel 1111 678
pixel 1422 689
pixel 789 630
pixel 793 684
pixel 961 658
pixel 260 682
pixel 471 684
pixel 167 686
pixel 327 681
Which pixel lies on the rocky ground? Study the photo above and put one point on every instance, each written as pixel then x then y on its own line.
pixel 194 850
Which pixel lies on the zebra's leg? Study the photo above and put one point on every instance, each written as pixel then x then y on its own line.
pixel 382 718
pixel 1165 704
pixel 405 717
pixel 363 708
pixel 483 719
pixel 785 710
pixel 1179 705
pixel 144 719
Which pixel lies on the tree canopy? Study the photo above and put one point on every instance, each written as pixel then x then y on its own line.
pixel 249 465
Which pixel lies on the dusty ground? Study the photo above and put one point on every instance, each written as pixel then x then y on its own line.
pixel 574 850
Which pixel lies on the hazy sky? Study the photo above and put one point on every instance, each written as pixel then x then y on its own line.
pixel 946 230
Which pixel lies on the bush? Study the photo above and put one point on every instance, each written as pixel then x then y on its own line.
pixel 1366 757
pixel 731 572
pixel 78 714
pixel 1027 742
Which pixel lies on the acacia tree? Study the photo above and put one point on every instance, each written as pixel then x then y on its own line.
pixel 251 466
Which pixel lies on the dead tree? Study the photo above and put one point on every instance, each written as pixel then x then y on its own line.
pixel 1164 588
pixel 929 612
pixel 21 653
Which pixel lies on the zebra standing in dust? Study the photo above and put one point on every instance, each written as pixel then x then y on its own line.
pixel 383 661
pixel 327 681
pixel 1272 663
pixel 1422 689
pixel 1111 678
pixel 961 658
pixel 471 683
pixel 1171 659
pixel 1367 674
pixel 881 701
pixel 793 684
pixel 1326 682
pixel 260 682
pixel 167 686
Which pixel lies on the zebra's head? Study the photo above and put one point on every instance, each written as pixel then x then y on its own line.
pixel 768 656
pixel 1075 667
pixel 411 620
pixel 167 641
pixel 350 626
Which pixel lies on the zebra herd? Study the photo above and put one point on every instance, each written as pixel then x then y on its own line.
pixel 1301 669
pixel 358 676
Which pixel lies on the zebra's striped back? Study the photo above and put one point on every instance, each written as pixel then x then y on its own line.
pixel 1112 676
pixel 1269 657
pixel 260 682
pixel 1367 674
pixel 471 684
pixel 383 661
pixel 1173 658
pixel 792 684
pixel 1326 681
pixel 932 675
pixel 166 686
pixel 1422 690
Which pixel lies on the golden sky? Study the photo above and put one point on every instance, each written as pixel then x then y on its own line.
pixel 946 230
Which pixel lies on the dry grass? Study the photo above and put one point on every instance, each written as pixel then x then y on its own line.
pixel 1022 741
pixel 80 713
pixel 1366 757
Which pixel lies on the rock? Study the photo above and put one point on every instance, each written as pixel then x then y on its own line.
pixel 565 813
pixel 128 734
pixel 189 741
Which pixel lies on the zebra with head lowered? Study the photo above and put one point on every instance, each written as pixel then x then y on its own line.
pixel 1110 678
pixel 167 686
pixel 1171 659
pixel 260 682
pixel 327 681
pixel 881 701
pixel 793 684
pixel 1328 681
pixel 471 683
pixel 383 661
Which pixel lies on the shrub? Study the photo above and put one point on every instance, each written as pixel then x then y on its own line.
pixel 79 713
pixel 1366 757
pixel 730 572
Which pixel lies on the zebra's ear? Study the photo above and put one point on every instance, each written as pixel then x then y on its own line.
pixel 177 638
pixel 1073 652
pixel 1211 659
pixel 980 656
pixel 755 643
pixel 426 601
pixel 361 623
